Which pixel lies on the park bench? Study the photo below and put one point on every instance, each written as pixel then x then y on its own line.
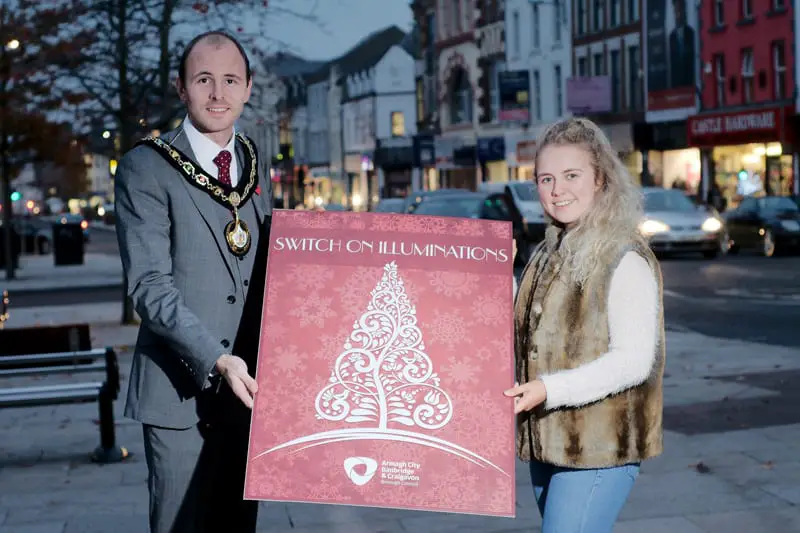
pixel 14 364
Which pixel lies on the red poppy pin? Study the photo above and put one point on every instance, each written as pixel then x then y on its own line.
pixel 258 190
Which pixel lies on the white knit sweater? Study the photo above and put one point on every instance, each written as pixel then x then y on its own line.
pixel 632 316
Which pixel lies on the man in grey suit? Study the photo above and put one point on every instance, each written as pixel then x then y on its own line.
pixel 193 209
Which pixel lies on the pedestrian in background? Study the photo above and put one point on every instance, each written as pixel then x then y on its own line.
pixel 589 336
pixel 193 210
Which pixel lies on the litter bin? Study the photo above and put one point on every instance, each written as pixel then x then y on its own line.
pixel 68 246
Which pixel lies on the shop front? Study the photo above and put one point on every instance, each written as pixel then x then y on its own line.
pixel 666 156
pixel 456 161
pixel 394 159
pixel 425 162
pixel 746 153
pixel 520 154
pixel 492 159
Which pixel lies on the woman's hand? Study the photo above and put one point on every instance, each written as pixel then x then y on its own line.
pixel 527 396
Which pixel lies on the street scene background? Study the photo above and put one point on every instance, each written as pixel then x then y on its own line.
pixel 388 106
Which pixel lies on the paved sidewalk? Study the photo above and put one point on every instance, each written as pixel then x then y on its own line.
pixel 731 465
pixel 39 273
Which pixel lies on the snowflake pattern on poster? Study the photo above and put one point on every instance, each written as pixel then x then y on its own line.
pixel 463 373
pixel 449 328
pixel 274 288
pixel 489 309
pixel 359 283
pixel 384 375
pixel 501 230
pixel 312 310
pixel 457 284
pixel 469 228
pixel 275 331
pixel 309 277
pixel 288 358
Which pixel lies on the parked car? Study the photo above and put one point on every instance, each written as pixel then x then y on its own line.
pixel 391 205
pixel 487 206
pixel 414 199
pixel 527 213
pixel 770 224
pixel 674 224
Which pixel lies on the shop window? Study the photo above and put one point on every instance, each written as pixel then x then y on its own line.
pixel 559 90
pixel 719 12
pixel 614 13
pixel 616 86
pixel 779 67
pixel 747 9
pixel 598 20
pixel 719 74
pixel 583 67
pixel 748 76
pixel 398 124
pixel 420 100
pixel 598 65
pixel 461 99
pixel 633 10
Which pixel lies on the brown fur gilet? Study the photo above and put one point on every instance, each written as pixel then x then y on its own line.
pixel 561 324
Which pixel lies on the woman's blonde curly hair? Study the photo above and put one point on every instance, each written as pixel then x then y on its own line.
pixel 617 210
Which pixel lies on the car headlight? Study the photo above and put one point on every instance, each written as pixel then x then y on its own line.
pixel 651 227
pixel 790 225
pixel 711 225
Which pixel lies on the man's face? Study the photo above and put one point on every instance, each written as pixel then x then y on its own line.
pixel 216 87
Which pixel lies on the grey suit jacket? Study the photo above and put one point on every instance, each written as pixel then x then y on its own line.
pixel 180 276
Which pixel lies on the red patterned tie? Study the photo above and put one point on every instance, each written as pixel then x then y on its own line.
pixel 223 162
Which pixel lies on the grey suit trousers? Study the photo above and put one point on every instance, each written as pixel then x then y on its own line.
pixel 196 479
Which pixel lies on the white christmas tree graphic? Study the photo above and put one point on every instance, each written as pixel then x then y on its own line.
pixel 384 377
pixel 384 374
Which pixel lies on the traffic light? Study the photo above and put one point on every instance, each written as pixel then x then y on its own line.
pixel 16 196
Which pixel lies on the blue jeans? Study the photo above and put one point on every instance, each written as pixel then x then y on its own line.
pixel 581 500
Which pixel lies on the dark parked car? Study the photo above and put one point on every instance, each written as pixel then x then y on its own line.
pixel 391 205
pixel 468 205
pixel 414 199
pixel 770 224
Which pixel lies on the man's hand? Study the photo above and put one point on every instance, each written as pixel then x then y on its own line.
pixel 234 370
pixel 528 395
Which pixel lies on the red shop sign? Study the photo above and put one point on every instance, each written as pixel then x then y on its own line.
pixel 757 125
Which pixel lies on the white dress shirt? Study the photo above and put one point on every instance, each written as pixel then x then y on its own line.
pixel 205 150
pixel 633 302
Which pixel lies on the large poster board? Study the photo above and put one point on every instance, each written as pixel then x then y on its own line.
pixel 386 345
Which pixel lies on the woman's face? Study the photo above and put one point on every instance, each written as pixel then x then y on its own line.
pixel 566 181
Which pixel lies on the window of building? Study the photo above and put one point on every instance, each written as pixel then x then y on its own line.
pixel 494 87
pixel 598 65
pixel 537 96
pixel 616 85
pixel 515 33
pixel 719 75
pixel 398 124
pixel 748 76
pixel 420 99
pixel 719 12
pixel 559 90
pixel 779 66
pixel 635 99
pixel 747 9
pixel 461 99
pixel 557 20
pixel 614 13
pixel 535 29
pixel 583 66
pixel 778 4
pixel 598 20
pixel 456 12
pixel 633 11
pixel 581 18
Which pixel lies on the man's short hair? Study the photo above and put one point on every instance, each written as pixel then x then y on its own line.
pixel 215 37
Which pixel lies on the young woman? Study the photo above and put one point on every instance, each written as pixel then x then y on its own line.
pixel 589 336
